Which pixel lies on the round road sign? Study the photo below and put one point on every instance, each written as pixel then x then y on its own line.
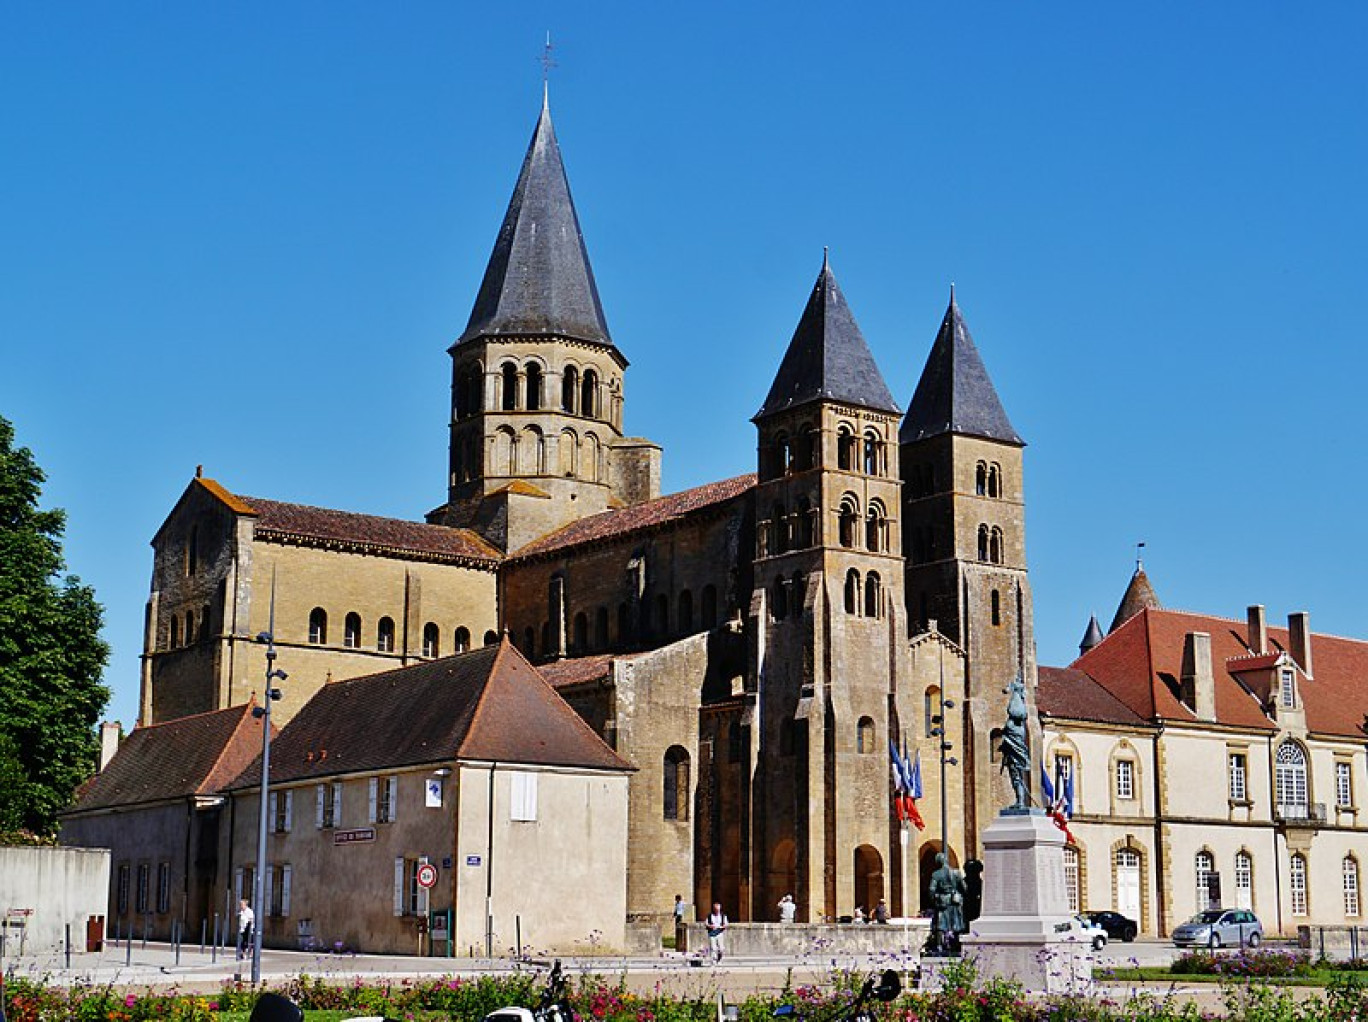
pixel 427 875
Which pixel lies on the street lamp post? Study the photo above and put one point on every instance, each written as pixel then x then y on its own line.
pixel 263 712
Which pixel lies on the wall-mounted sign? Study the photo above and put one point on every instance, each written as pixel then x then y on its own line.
pixel 427 875
pixel 351 837
pixel 433 793
pixel 472 860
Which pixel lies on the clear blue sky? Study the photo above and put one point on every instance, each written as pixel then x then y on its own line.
pixel 243 235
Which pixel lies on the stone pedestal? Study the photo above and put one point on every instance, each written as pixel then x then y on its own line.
pixel 1026 932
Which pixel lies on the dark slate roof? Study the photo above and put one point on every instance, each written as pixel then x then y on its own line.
pixel 827 359
pixel 195 755
pixel 954 394
pixel 1139 596
pixel 538 280
pixel 1075 695
pixel 486 705
pixel 1092 636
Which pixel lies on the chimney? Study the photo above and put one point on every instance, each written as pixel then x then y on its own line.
pixel 1258 629
pixel 1199 686
pixel 109 742
pixel 1299 639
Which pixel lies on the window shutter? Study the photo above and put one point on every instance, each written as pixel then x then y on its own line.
pixel 374 793
pixel 289 810
pixel 392 786
pixel 285 875
pixel 318 807
pixel 337 803
pixel 267 904
pixel 398 887
pixel 274 808
pixel 237 887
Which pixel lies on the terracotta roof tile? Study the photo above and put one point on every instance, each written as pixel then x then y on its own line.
pixel 575 670
pixel 1072 694
pixel 1141 660
pixel 653 513
pixel 487 705
pixel 195 755
pixel 1261 662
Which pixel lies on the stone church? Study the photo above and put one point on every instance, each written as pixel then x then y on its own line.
pixel 750 646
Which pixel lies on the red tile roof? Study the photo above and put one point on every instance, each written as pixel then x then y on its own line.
pixel 1260 662
pixel 575 670
pixel 652 514
pixel 1072 694
pixel 1141 662
pixel 487 705
pixel 195 755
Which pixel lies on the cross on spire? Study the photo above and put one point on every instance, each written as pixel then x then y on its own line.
pixel 547 62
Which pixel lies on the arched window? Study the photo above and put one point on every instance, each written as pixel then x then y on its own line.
pixel 783 454
pixel 850 520
pixel 800 458
pixel 845 448
pixel 491 638
pixel 532 452
pixel 1244 880
pixel 589 461
pixel 318 626
pixel 509 378
pixel 994 480
pixel 384 635
pixel 1290 777
pixel 876 527
pixel 873 453
pixel 981 479
pixel 779 599
pixel 589 394
pixel 534 387
pixel 852 592
pixel 351 631
pixel 686 621
pixel 931 709
pixel 995 545
pixel 676 783
pixel 460 642
pixel 779 528
pixel 601 628
pixel 189 627
pixel 709 610
pixel 997 607
pixel 1204 865
pixel 983 542
pixel 568 453
pixel 1350 873
pixel 1297 885
pixel 1071 878
pixel 569 389
pixel 873 595
pixel 174 639
pixel 432 640
pixel 864 736
pixel 802 524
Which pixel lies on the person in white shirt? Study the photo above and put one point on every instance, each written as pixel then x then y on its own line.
pixel 788 909
pixel 716 924
pixel 246 920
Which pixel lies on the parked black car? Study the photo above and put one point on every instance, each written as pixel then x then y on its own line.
pixel 1118 927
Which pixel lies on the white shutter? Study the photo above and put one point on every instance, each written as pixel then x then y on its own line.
pixel 392 786
pixel 318 807
pixel 274 808
pixel 237 887
pixel 264 909
pixel 374 793
pixel 289 810
pixel 337 803
pixel 523 804
pixel 398 887
pixel 285 874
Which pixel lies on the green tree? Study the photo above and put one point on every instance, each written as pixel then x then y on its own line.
pixel 51 654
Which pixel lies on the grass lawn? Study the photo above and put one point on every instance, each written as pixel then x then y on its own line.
pixel 1161 974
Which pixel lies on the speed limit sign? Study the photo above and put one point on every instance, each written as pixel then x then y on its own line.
pixel 427 875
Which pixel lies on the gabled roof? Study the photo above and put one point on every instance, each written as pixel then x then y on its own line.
pixel 1139 595
pixel 1141 663
pixel 827 359
pixel 195 755
pixel 954 394
pixel 488 705
pixel 538 280
pixel 648 515
pixel 1071 694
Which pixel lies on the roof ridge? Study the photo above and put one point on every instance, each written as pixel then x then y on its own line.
pixel 478 711
pixel 186 717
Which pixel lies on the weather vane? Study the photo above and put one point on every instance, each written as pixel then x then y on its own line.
pixel 546 60
pixel 1138 548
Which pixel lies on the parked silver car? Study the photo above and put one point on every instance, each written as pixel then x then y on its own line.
pixel 1220 927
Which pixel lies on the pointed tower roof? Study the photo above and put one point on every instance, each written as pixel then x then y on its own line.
pixel 827 359
pixel 954 394
pixel 1091 637
pixel 539 280
pixel 1139 596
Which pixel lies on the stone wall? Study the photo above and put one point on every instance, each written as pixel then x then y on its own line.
pixel 57 887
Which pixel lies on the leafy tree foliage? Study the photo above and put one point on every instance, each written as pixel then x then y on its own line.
pixel 51 655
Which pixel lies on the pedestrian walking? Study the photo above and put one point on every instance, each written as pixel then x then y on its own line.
pixel 246 920
pixel 716 924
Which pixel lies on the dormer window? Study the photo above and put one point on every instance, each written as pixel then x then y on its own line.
pixel 1287 687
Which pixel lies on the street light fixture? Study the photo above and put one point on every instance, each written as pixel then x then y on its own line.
pixel 263 712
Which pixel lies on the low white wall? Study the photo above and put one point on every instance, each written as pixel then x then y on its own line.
pixel 55 887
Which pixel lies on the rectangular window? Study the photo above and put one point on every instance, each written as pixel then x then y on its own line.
pixel 1344 785
pixel 164 887
pixel 144 880
pixel 125 881
pixel 389 793
pixel 1351 886
pixel 1298 885
pixel 1287 688
pixel 278 890
pixel 1239 791
pixel 1071 877
pixel 328 805
pixel 282 811
pixel 524 801
pixel 1125 779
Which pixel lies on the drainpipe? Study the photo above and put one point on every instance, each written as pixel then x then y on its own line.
pixel 489 870
pixel 1273 831
pixel 1161 907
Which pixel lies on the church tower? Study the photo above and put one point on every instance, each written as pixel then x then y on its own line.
pixel 826 618
pixel 537 382
pixel 964 535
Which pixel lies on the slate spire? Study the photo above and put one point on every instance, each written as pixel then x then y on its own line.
pixel 1091 637
pixel 539 280
pixel 827 359
pixel 954 394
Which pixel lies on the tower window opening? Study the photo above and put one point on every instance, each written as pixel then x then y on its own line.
pixel 802 524
pixel 534 387
pixel 431 640
pixel 873 454
pixel 318 626
pixel 981 479
pixel 873 595
pixel 997 607
pixel 845 449
pixel 509 379
pixel 589 394
pixel 351 631
pixel 569 389
pixel 995 545
pixel 384 635
pixel 852 592
pixel 983 542
pixel 876 528
pixel 994 480
pixel 850 520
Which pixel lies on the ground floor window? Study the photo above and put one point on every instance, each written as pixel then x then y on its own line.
pixel 1298 885
pixel 1351 886
pixel 1244 880
pixel 1071 878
